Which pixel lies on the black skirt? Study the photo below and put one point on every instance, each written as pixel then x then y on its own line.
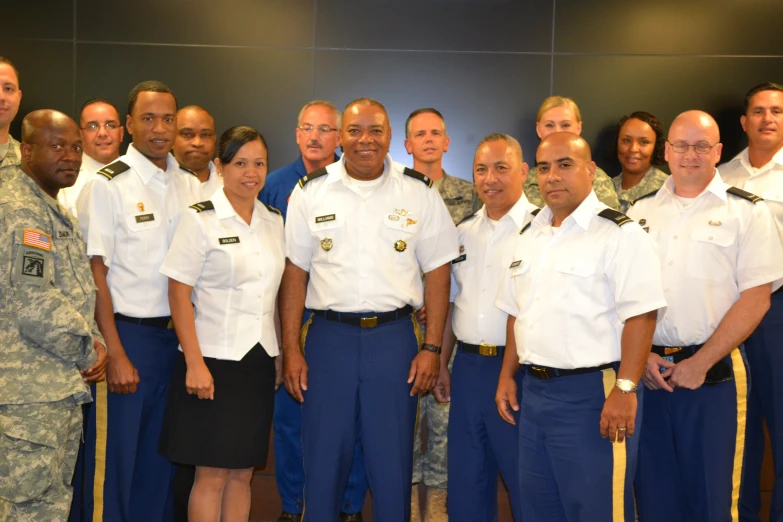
pixel 231 431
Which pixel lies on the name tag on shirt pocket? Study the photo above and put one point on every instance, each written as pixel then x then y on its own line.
pixel 140 222
pixel 228 240
pixel 325 221
pixel 715 235
pixel 519 267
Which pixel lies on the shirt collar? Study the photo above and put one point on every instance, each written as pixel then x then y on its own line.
pixel 224 209
pixel 299 166
pixel 89 164
pixel 744 159
pixel 582 215
pixel 144 167
pixel 337 170
pixel 518 213
pixel 716 187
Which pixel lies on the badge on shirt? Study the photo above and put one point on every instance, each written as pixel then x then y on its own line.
pixel 393 217
pixel 228 240
pixel 715 223
pixel 400 245
pixel 63 234
pixel 409 222
pixel 516 264
pixel 37 239
pixel 326 244
pixel 144 218
pixel 324 219
pixel 642 222
pixel 459 259
pixel 33 266
pixel 401 211
pixel 140 206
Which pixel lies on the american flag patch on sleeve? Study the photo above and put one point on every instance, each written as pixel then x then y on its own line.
pixel 37 239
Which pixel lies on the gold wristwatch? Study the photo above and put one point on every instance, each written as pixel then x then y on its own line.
pixel 625 385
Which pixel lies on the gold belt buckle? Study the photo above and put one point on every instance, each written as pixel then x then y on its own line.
pixel 368 322
pixel 668 350
pixel 488 350
pixel 541 373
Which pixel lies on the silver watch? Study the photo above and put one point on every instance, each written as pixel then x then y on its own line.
pixel 625 385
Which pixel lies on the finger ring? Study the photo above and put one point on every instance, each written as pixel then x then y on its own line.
pixel 621 429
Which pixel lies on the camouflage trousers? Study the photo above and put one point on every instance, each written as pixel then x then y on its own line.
pixel 429 466
pixel 38 448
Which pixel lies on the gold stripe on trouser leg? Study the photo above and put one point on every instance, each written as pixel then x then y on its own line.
pixel 419 341
pixel 741 383
pixel 302 339
pixel 618 456
pixel 101 412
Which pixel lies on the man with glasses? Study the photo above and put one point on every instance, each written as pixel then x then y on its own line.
pixel 102 135
pixel 759 169
pixel 719 254
pixel 317 135
pixel 10 98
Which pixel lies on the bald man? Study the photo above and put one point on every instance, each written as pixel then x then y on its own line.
pixel 720 254
pixel 47 329
pixel 194 147
pixel 581 293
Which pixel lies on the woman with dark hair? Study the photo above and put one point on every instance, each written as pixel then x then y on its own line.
pixel 640 143
pixel 224 267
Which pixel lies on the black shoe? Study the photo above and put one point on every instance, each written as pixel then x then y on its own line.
pixel 353 517
pixel 289 517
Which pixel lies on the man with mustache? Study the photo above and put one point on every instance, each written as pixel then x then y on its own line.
pixel 759 169
pixel 102 134
pixel 125 213
pixel 10 98
pixel 47 327
pixel 317 135
pixel 426 139
pixel 194 147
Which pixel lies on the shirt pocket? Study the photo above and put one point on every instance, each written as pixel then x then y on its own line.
pixel 711 252
pixel 400 235
pixel 143 235
pixel 581 282
pixel 328 233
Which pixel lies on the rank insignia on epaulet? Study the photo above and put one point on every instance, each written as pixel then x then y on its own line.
pixel 744 194
pixel 310 177
pixel 111 170
pixel 188 170
pixel 204 205
pixel 618 218
pixel 534 214
pixel 418 175
pixel 272 209
pixel 467 218
pixel 648 195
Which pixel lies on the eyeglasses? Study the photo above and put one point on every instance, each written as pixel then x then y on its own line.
pixel 323 129
pixel 94 127
pixel 683 146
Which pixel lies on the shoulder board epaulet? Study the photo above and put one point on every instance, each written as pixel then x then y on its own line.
pixel 204 205
pixel 744 194
pixel 648 195
pixel 467 218
pixel 534 214
pixel 111 170
pixel 188 170
pixel 618 218
pixel 310 177
pixel 272 209
pixel 417 175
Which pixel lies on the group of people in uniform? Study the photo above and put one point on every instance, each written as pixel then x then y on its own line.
pixel 606 346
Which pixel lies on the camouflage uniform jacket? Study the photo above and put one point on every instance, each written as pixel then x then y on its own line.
pixel 651 182
pixel 47 298
pixel 602 186
pixel 10 163
pixel 460 197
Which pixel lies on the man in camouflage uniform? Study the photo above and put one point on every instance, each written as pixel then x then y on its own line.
pixel 427 141
pixel 10 98
pixel 602 186
pixel 48 334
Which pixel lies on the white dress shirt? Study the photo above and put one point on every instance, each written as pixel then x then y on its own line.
pixel 68 196
pixel 710 250
pixel 126 221
pixel 571 289
pixel 235 269
pixel 487 249
pixel 365 244
pixel 211 185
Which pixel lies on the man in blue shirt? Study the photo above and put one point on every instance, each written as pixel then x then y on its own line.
pixel 317 134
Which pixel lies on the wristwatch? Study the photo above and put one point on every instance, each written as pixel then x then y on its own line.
pixel 625 385
pixel 431 348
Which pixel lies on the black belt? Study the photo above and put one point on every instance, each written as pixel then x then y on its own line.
pixel 154 322
pixel 365 319
pixel 487 350
pixel 720 372
pixel 545 372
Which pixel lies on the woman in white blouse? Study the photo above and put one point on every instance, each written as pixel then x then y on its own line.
pixel 224 267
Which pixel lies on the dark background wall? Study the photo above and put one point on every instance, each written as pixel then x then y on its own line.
pixel 486 64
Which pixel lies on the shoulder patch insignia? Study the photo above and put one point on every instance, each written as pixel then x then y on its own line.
pixel 648 195
pixel 188 170
pixel 204 205
pixel 618 218
pixel 111 170
pixel 273 210
pixel 534 214
pixel 734 191
pixel 466 219
pixel 313 175
pixel 418 175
